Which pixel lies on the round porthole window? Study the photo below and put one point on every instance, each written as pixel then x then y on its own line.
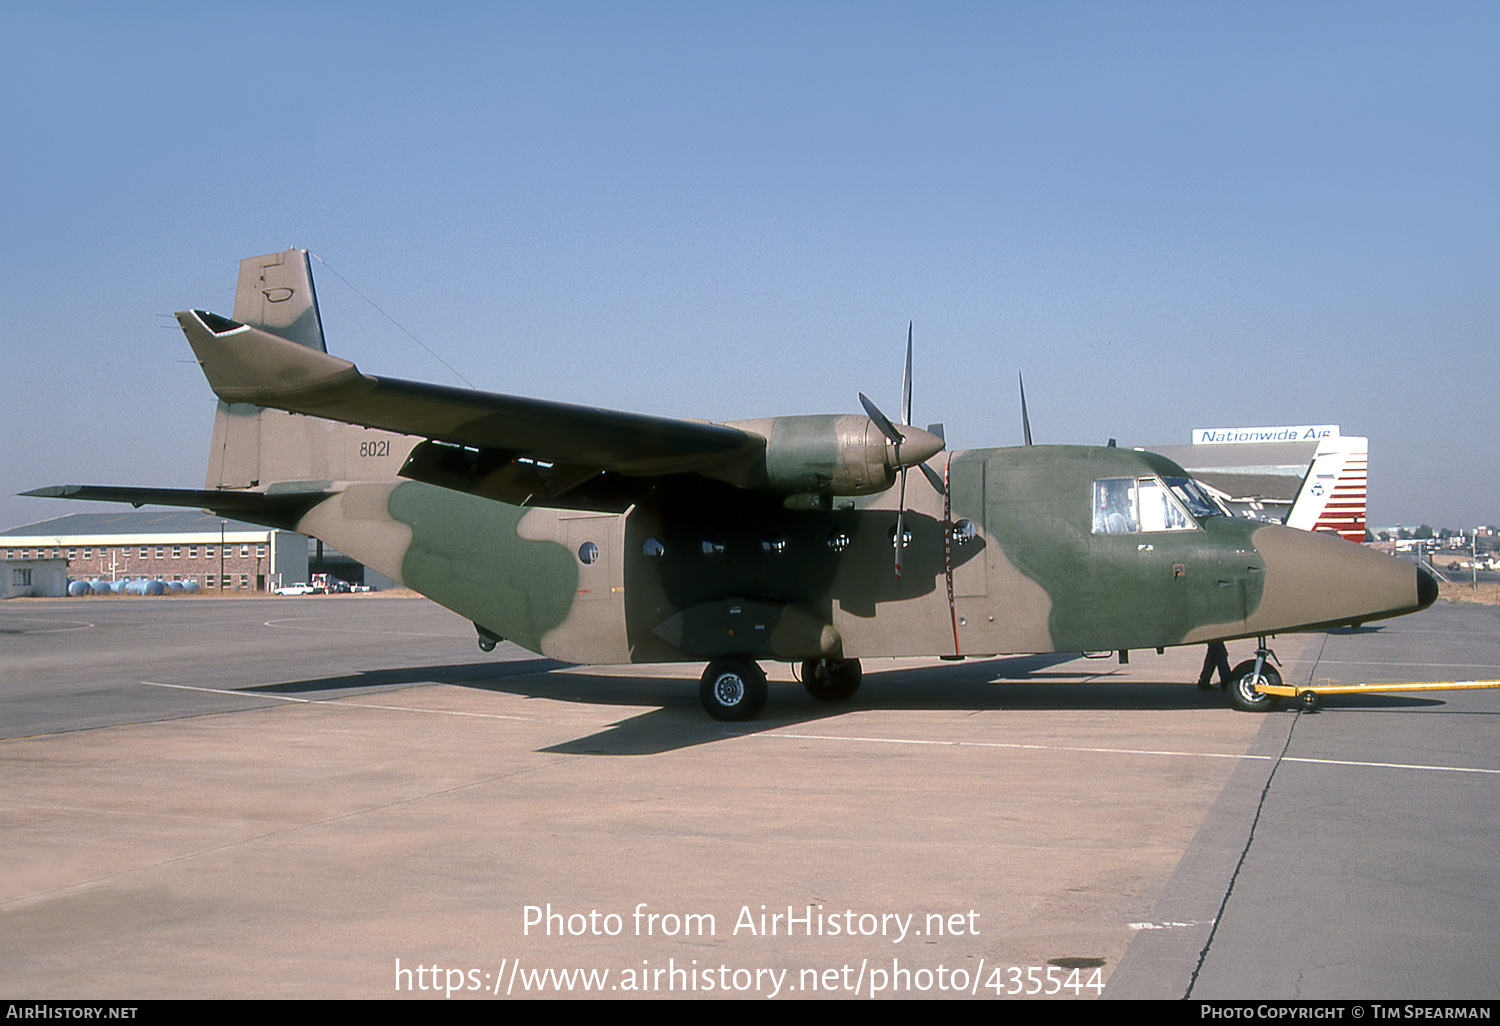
pixel 588 552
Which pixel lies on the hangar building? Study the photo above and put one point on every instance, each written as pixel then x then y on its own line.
pixel 1308 476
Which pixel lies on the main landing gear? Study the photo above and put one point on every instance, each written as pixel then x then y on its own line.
pixel 734 688
pixel 831 680
pixel 1246 678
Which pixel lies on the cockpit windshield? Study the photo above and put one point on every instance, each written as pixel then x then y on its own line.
pixel 1195 497
pixel 1128 505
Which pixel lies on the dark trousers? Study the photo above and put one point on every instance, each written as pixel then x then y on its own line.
pixel 1217 658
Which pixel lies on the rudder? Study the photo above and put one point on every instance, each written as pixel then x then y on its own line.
pixel 275 294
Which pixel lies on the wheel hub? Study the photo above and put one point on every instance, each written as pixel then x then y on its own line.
pixel 729 689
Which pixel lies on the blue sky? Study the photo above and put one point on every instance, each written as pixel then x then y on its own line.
pixel 1166 215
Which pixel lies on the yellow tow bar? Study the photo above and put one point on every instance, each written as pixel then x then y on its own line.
pixel 1311 696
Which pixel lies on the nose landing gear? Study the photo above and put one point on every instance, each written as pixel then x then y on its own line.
pixel 1246 679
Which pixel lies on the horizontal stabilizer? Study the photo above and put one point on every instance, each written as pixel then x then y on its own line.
pixel 281 510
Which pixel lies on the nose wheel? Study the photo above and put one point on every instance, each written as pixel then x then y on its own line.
pixel 1245 679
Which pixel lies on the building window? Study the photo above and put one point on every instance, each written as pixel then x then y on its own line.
pixel 244 550
pixel 159 551
pixel 72 553
pixel 88 553
pixel 21 578
pixel 176 551
pixel 192 552
pixel 143 552
pixel 260 550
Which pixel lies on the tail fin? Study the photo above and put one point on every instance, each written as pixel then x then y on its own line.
pixel 276 294
pixel 254 447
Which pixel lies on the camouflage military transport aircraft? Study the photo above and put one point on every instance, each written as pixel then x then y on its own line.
pixel 594 536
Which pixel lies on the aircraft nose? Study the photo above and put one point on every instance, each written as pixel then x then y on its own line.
pixel 1320 580
pixel 1427 588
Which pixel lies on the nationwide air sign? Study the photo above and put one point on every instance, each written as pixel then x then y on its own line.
pixel 1296 433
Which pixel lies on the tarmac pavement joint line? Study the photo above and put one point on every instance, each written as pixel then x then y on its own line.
pixel 289 624
pixel 341 703
pixel 1245 850
pixel 1119 751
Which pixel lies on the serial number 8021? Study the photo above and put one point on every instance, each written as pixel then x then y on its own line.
pixel 380 447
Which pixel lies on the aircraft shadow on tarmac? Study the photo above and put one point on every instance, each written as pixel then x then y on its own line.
pixel 671 718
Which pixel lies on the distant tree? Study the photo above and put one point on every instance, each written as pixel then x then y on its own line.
pixel 1425 531
pixel 1404 533
pixel 1385 536
pixel 1446 533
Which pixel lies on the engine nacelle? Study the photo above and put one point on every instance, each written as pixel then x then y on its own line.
pixel 827 454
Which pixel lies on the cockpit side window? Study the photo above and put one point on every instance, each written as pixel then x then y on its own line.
pixel 1159 511
pixel 1114 506
pixel 1127 505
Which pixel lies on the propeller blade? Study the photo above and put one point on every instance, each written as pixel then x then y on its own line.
pixel 881 420
pixel 906 380
pixel 933 477
pixel 1025 420
pixel 901 524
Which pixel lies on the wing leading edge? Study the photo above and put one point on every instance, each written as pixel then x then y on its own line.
pixel 246 365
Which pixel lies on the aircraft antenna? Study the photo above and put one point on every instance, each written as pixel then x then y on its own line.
pixel 393 320
pixel 1025 420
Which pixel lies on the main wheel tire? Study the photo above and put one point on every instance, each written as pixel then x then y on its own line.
pixel 831 680
pixel 733 689
pixel 1242 692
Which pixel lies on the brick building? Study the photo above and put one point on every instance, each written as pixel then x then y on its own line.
pixel 171 545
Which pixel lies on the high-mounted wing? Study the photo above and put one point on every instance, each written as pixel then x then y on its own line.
pixel 244 364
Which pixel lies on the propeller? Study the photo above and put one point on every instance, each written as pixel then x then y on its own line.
pixel 921 446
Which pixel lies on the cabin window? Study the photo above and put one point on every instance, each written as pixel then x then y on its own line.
pixel 964 532
pixel 588 552
pixel 1127 505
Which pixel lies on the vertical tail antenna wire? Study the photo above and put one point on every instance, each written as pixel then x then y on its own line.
pixel 393 320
